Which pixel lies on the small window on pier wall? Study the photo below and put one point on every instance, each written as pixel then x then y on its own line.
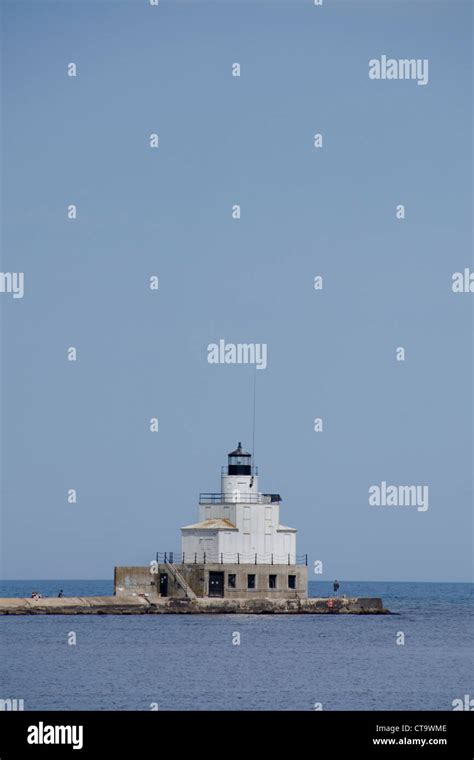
pixel 251 581
pixel 272 581
pixel 231 580
pixel 292 581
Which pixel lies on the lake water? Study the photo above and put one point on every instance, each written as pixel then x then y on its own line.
pixel 282 663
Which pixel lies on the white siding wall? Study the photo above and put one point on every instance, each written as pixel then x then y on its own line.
pixel 235 484
pixel 229 544
pixel 257 525
pixel 194 542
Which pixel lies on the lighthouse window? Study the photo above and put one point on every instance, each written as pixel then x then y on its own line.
pixel 250 581
pixel 272 581
pixel 231 580
pixel 292 581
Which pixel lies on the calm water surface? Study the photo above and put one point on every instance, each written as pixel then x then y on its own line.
pixel 282 663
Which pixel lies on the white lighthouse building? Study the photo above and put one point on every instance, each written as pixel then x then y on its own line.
pixel 237 550
pixel 239 524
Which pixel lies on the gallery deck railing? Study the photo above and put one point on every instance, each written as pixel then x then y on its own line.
pixel 186 558
pixel 239 498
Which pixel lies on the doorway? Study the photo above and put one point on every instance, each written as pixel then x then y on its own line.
pixel 216 584
pixel 163 584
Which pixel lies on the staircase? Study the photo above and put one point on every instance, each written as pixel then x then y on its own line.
pixel 174 572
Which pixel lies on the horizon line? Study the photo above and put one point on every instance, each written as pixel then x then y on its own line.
pixel 310 580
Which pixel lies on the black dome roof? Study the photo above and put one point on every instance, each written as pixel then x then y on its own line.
pixel 239 452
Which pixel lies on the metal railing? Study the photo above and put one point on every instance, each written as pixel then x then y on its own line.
pixel 239 498
pixel 186 558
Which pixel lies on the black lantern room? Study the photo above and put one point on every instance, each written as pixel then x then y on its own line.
pixel 239 462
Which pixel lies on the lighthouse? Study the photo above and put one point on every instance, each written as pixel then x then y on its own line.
pixel 239 528
pixel 239 523
pixel 238 548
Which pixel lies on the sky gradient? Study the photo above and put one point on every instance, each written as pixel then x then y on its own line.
pixel 304 212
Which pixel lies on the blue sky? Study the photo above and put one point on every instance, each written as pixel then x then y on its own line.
pixel 142 354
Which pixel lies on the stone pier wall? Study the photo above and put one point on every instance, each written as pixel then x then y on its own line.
pixel 270 581
pixel 140 605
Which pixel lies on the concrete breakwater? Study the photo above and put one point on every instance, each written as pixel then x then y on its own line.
pixel 142 605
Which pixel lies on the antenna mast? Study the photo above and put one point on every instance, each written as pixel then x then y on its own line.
pixel 254 406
